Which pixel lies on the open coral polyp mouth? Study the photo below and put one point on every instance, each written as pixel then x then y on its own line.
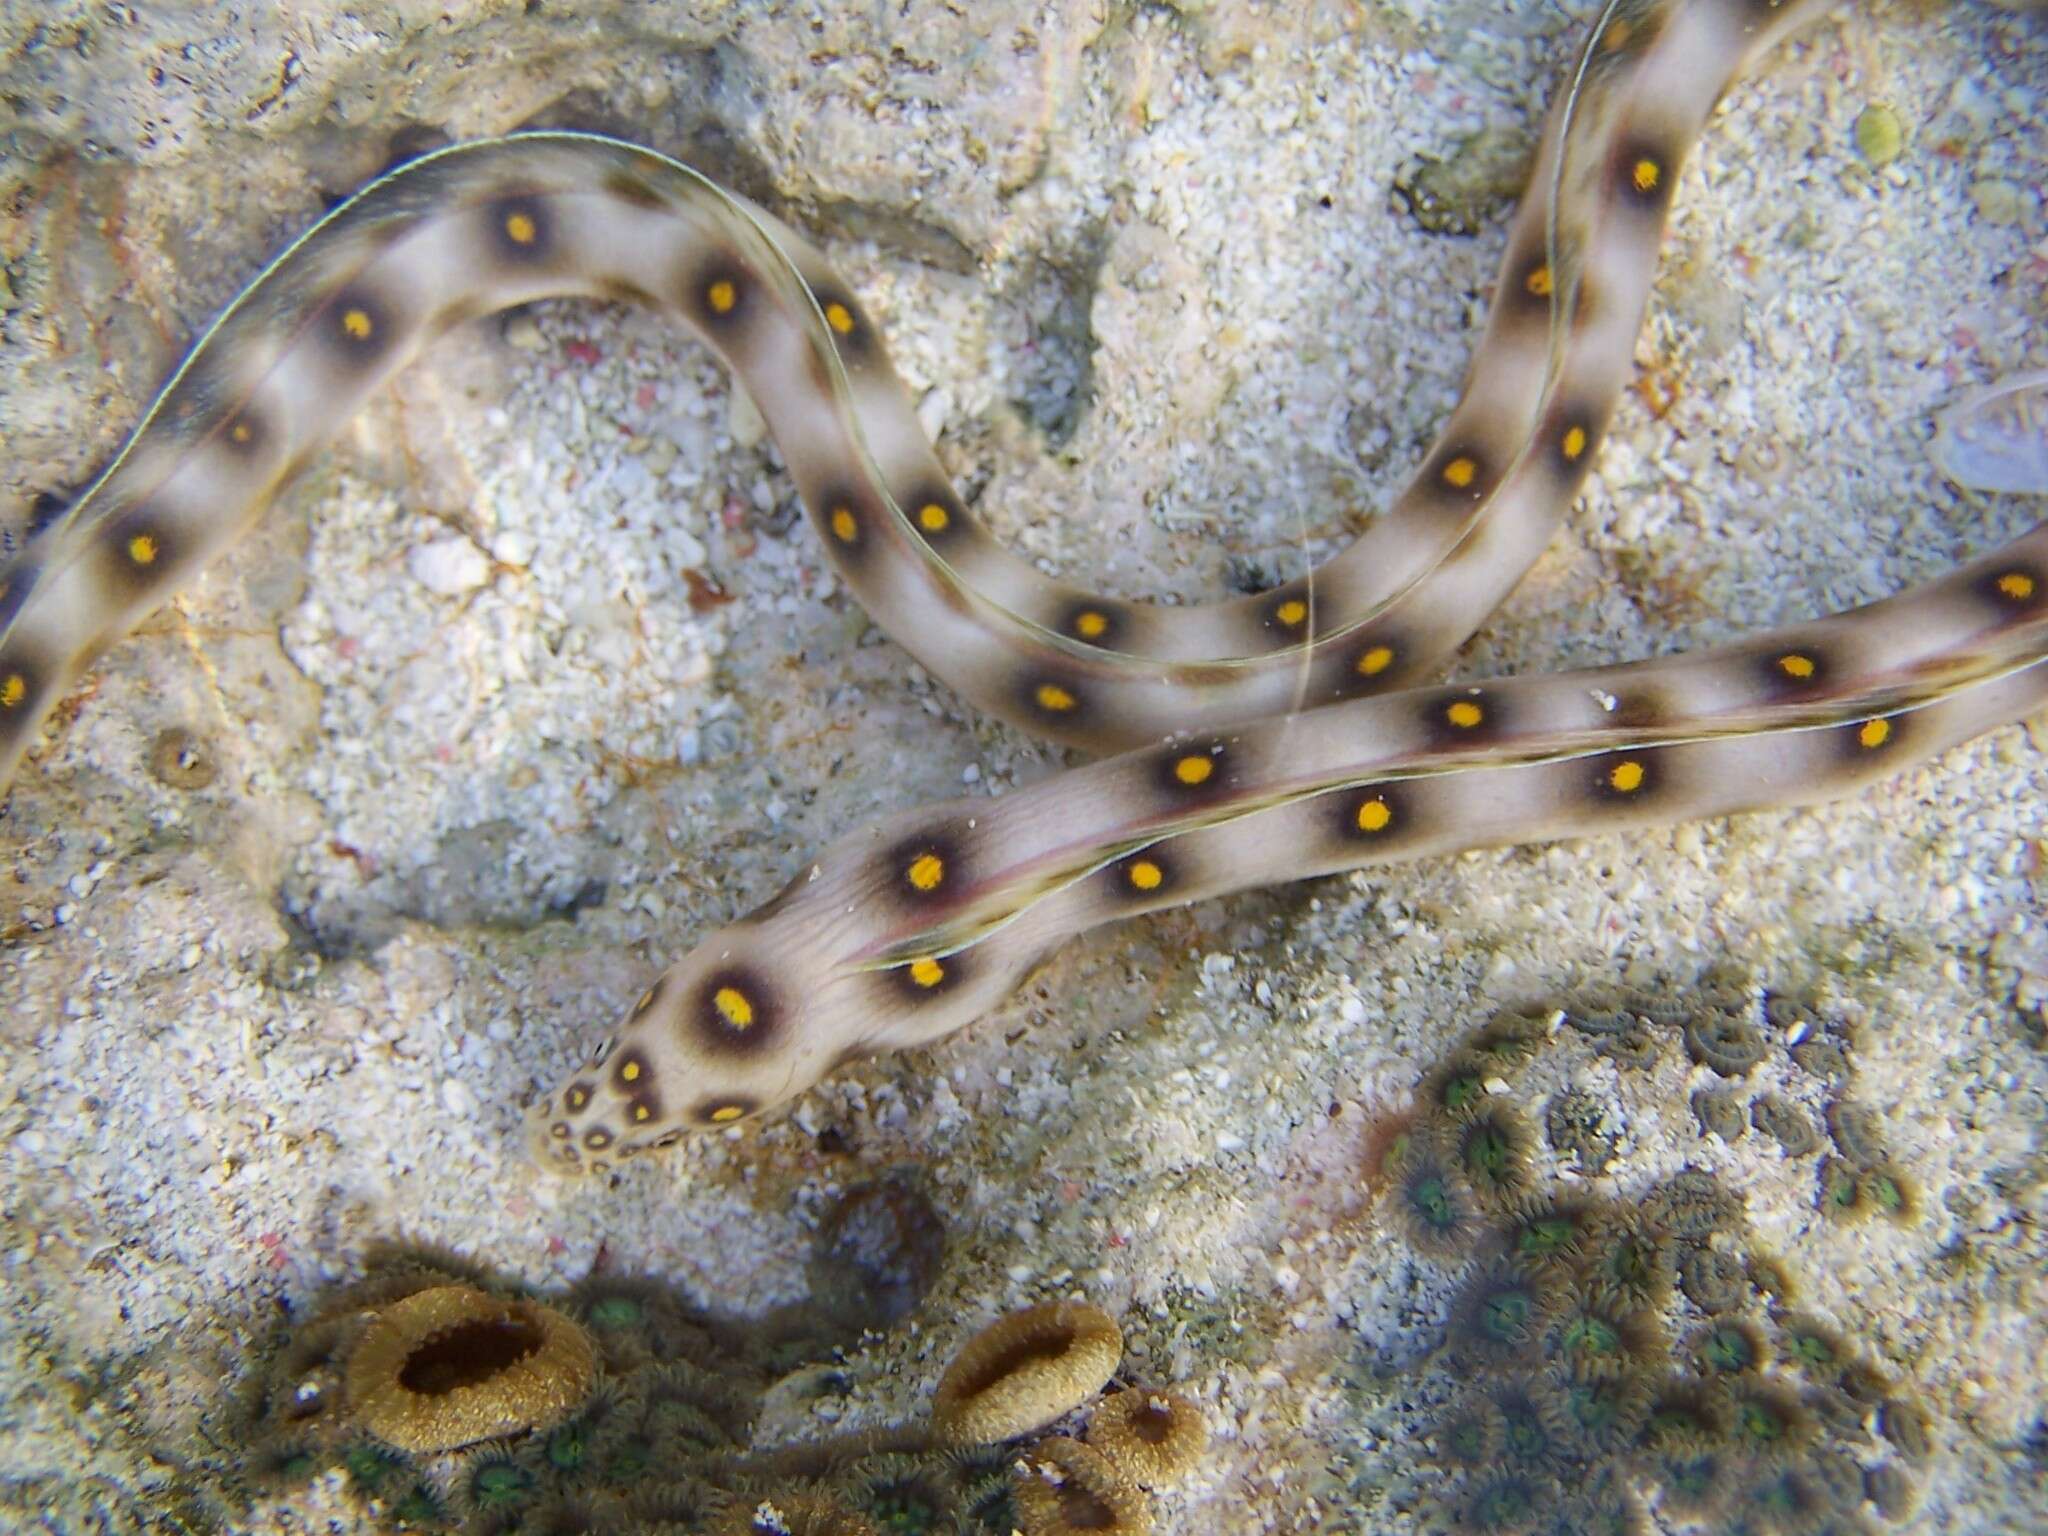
pixel 452 1365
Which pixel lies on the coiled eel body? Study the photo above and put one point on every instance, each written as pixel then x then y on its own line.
pixel 1261 739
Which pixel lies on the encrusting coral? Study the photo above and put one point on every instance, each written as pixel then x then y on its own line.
pixel 493 1481
pixel 1713 1281
pixel 1431 1199
pixel 1150 1437
pixel 1728 1348
pixel 1472 1436
pixel 1025 1370
pixel 1720 1113
pixel 904 1495
pixel 1726 1041
pixel 1570 1402
pixel 637 1322
pixel 1066 1488
pixel 450 1398
pixel 447 1399
pixel 1492 1146
pixel 307 1407
pixel 1457 1087
pixel 1500 1314
pixel 452 1365
pixel 1633 1262
pixel 797 1514
pixel 1551 1237
pixel 1785 1123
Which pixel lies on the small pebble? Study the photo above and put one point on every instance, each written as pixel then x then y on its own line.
pixel 512 548
pixel 1998 201
pixel 1880 136
pixel 448 566
pixel 456 1098
pixel 932 412
pixel 744 420
pixel 660 457
pixel 689 550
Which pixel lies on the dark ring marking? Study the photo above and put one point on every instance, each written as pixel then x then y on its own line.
pixel 1367 663
pixel 1794 671
pixel 1150 874
pixel 631 1072
pixel 718 295
pixel 1287 613
pixel 722 1112
pixel 359 326
pixel 1531 287
pixel 1573 437
pixel 844 323
pixel 1373 661
pixel 736 1013
pixel 643 1109
pixel 1094 622
pixel 1625 777
pixel 1458 473
pixel 1463 717
pixel 137 554
pixel 1055 698
pixel 577 1096
pixel 1373 814
pixel 936 513
pixel 2013 588
pixel 925 869
pixel 1644 173
pixel 522 228
pixel 1195 772
pixel 921 980
pixel 845 517
pixel 22 685
pixel 242 433
pixel 597 1138
pixel 1865 740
